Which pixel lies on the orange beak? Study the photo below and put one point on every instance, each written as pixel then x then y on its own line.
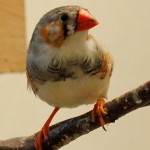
pixel 85 20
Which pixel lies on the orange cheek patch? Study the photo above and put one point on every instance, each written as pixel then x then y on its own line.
pixel 53 34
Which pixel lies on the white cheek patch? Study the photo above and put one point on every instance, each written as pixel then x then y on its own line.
pixel 70 29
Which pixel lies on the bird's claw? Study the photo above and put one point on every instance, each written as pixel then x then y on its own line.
pixel 43 133
pixel 100 111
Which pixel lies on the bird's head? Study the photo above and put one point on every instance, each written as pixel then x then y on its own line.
pixel 62 22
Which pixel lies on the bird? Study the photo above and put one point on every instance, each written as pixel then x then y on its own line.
pixel 65 66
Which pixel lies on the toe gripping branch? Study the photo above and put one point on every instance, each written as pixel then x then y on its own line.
pixel 100 110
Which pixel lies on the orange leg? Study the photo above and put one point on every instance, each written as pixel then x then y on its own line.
pixel 44 131
pixel 99 110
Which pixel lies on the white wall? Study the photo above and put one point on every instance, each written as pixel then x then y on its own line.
pixel 125 30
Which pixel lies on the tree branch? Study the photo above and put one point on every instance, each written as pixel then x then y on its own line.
pixel 64 132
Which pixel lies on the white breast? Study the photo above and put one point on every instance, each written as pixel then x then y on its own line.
pixel 74 92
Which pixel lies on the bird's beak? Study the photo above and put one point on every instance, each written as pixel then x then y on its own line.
pixel 85 20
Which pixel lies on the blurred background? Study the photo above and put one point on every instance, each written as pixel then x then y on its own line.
pixel 124 30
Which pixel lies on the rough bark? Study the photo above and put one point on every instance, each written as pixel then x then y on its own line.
pixel 64 132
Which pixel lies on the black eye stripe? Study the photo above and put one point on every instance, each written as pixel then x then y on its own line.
pixel 64 18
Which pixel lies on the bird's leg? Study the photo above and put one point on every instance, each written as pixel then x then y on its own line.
pixel 44 131
pixel 99 109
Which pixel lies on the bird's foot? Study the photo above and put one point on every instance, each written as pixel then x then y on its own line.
pixel 100 110
pixel 43 133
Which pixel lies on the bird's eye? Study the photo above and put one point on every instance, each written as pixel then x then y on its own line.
pixel 64 17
